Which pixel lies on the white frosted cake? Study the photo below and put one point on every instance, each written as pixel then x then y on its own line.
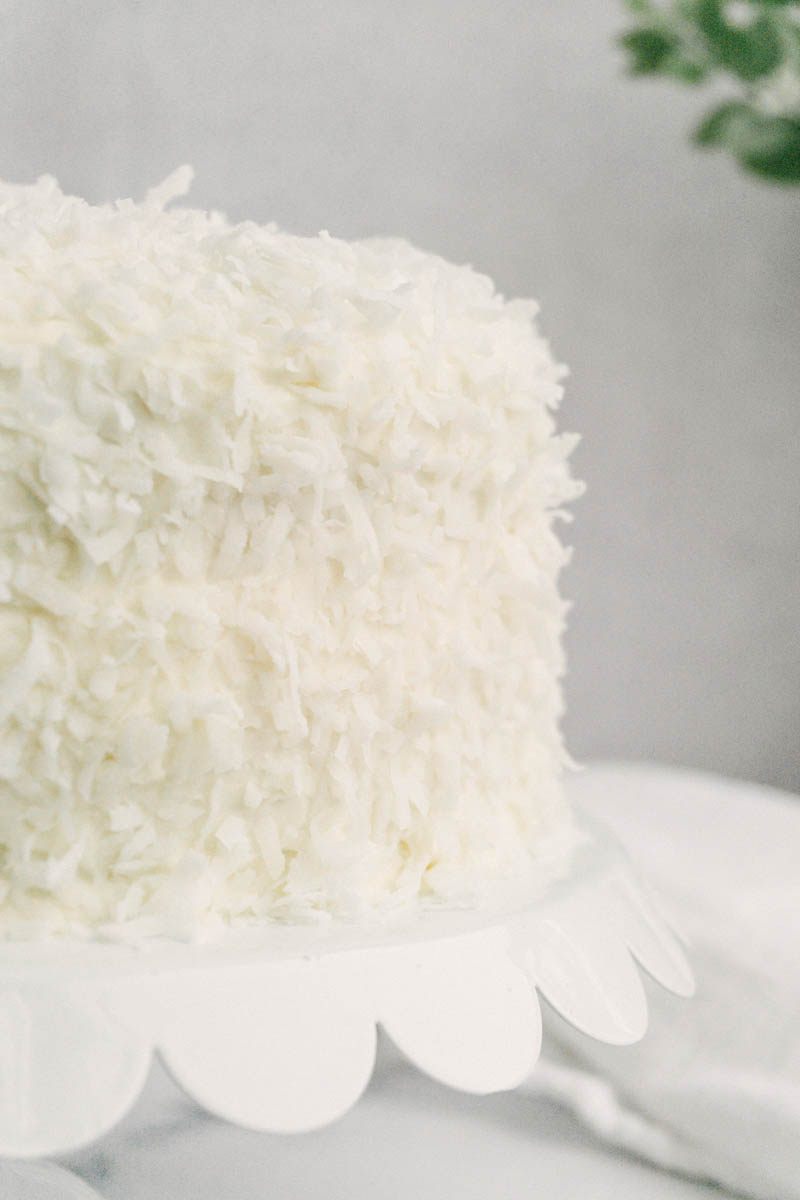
pixel 280 632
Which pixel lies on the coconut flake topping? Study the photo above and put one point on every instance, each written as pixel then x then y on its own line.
pixel 279 626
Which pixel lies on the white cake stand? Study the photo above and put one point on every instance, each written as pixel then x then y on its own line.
pixel 275 1029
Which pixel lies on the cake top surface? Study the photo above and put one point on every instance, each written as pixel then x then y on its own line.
pixel 194 336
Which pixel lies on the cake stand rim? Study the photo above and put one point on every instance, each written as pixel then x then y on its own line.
pixel 596 856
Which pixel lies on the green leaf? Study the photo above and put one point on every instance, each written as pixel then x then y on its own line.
pixel 713 129
pixel 659 51
pixel 766 144
pixel 751 51
pixel 771 147
pixel 686 70
pixel 648 49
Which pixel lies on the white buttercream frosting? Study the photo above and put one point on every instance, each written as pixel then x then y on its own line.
pixel 279 626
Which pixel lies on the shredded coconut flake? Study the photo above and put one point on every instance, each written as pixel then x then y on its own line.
pixel 280 632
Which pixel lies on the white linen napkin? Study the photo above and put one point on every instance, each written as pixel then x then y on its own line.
pixel 713 1089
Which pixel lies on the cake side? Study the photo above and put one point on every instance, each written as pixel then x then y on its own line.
pixel 280 630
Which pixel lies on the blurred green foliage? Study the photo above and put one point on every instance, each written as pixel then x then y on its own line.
pixel 756 44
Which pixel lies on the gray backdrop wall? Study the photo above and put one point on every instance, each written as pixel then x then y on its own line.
pixel 505 133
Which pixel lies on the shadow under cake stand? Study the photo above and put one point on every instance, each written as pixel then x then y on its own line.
pixel 275 1029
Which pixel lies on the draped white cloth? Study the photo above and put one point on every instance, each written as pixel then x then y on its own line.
pixel 713 1089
